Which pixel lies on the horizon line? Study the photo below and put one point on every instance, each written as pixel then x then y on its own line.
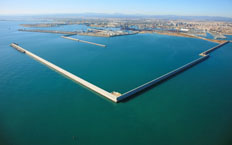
pixel 126 14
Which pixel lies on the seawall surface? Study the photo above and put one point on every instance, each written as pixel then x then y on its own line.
pixel 68 74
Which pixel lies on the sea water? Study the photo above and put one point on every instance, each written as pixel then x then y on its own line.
pixel 39 106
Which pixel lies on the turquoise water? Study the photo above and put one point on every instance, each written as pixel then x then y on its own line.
pixel 209 36
pixel 228 37
pixel 41 107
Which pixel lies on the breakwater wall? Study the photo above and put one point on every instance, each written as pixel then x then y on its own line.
pixel 20 49
pixel 212 49
pixel 48 31
pixel 161 78
pixel 70 38
pixel 67 74
pixel 115 96
pixel 204 55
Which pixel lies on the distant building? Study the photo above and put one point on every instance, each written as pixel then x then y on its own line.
pixel 184 30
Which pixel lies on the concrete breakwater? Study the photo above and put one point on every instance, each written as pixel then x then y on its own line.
pixel 204 55
pixel 20 49
pixel 48 31
pixel 68 74
pixel 70 38
pixel 212 49
pixel 161 78
pixel 115 96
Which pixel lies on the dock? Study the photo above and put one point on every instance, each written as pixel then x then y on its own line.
pixel 70 38
pixel 71 76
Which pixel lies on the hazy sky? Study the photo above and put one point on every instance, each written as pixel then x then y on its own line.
pixel 152 7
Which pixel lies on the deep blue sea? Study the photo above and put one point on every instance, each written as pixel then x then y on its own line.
pixel 38 106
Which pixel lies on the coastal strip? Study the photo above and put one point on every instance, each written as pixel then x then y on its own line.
pixel 70 38
pixel 179 34
pixel 73 77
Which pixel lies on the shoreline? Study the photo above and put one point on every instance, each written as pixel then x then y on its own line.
pixel 183 35
pixel 178 34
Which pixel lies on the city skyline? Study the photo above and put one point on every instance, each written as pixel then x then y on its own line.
pixel 146 7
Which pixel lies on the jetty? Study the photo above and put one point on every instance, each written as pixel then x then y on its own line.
pixel 70 38
pixel 71 76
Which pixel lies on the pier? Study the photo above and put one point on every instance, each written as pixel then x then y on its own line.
pixel 73 77
pixel 70 38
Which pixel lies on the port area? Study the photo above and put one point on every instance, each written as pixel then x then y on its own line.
pixel 109 33
pixel 106 33
pixel 68 33
pixel 218 35
pixel 116 96
pixel 89 32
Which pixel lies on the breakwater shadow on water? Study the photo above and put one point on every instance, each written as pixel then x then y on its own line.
pixel 143 91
